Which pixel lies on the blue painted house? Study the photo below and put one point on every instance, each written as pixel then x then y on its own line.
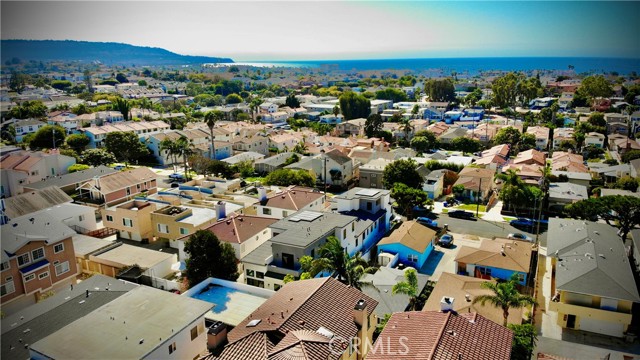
pixel 412 242
pixel 498 258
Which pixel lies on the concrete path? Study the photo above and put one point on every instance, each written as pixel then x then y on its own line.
pixel 494 213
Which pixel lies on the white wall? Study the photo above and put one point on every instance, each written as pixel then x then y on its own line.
pixel 185 347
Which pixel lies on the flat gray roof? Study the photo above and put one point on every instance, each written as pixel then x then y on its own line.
pixel 304 232
pixel 363 193
pixel 142 313
pixel 73 178
pixel 259 255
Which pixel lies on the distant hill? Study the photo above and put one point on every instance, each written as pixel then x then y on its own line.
pixel 107 53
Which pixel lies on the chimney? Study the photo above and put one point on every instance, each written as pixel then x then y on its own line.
pixel 216 335
pixel 446 304
pixel 361 318
pixel 221 210
pixel 262 194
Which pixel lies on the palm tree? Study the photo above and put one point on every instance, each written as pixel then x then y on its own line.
pixel 124 106
pixel 171 147
pixel 505 296
pixel 331 258
pixel 185 149
pixel 254 104
pixel 211 118
pixel 356 267
pixel 301 148
pixel 513 188
pixel 405 125
pixel 408 287
pixel 145 104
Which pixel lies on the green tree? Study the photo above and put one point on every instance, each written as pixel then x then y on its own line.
pixel 524 341
pixel 301 148
pixel 172 150
pixel 331 258
pixel 48 137
pixel 354 106
pixel 595 86
pixel 292 102
pixel 245 168
pixel 624 211
pixel 294 158
pixel 208 257
pixel 473 98
pixel 440 90
pixel 407 198
pixel 373 125
pixel 87 80
pixel 505 296
pixel 507 135
pixel 402 171
pixel 61 84
pixel 17 81
pixel 287 177
pixel 356 268
pixel 125 146
pixel 430 138
pixel 220 168
pixel 122 105
pixel 233 99
pixel 627 183
pixel 97 157
pixel 466 145
pixel 527 142
pixel 408 287
pixel 78 142
pixel 630 155
pixel 77 167
pixel 211 118
pixel 597 119
pixel 121 78
pixel 28 109
pixel 393 94
pixel 505 89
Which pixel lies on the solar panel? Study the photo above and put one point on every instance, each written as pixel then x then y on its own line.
pixel 305 216
pixel 368 192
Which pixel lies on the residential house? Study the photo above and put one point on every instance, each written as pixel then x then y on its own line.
pixel 460 291
pixel 31 202
pixel 477 183
pixel 132 219
pixel 634 121
pixel 617 123
pixel 485 132
pixel 610 173
pixel 594 294
pixel 244 156
pixel 268 107
pixel 594 139
pixel 67 120
pixel 21 168
pixel 383 281
pixel 169 327
pixel 562 194
pixel 530 157
pixel 622 144
pixel 441 335
pixel 565 161
pixel 37 256
pixel 361 155
pixel 495 157
pixel 560 135
pixel 530 174
pixel 109 116
pixel 332 167
pixel 280 204
pixel 434 183
pixel 434 110
pixel 119 187
pixel 371 173
pixel 305 318
pixel 257 143
pixel 380 105
pixel 497 258
pixel 275 117
pixel 275 162
pixel 69 182
pixel 353 127
pixel 438 128
pixel 412 242
pixel 542 136
pixel 579 178
pixel 377 144
pixel 565 100
pixel 244 232
pixel 98 134
pixel 283 142
pixel 173 222
pixel 331 119
pixel 28 126
pixel 300 234
pixel 452 133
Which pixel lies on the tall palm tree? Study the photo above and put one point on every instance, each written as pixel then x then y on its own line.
pixel 356 267
pixel 505 296
pixel 406 127
pixel 253 105
pixel 172 149
pixel 513 188
pixel 185 149
pixel 211 118
pixel 145 104
pixel 331 258
pixel 408 287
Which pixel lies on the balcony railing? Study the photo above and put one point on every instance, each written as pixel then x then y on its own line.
pixel 589 312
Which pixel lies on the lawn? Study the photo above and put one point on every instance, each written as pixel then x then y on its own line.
pixel 253 179
pixel 471 207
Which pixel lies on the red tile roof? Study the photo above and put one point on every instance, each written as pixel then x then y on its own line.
pixel 238 228
pixel 294 198
pixel 436 335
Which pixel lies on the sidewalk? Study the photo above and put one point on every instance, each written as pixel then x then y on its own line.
pixel 494 214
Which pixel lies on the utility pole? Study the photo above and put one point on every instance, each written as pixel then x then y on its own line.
pixel 478 197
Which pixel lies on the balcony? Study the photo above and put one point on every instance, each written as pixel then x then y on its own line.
pixel 589 312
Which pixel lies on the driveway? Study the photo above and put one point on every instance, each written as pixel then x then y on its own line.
pixel 442 259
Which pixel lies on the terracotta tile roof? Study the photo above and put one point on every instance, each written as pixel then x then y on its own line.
pixel 530 156
pixel 300 305
pixel 525 170
pixel 122 179
pixel 435 335
pixel 517 254
pixel 11 160
pixel 27 164
pixel 293 198
pixel 338 156
pixel 540 132
pixel 458 287
pixel 412 235
pixel 491 159
pixel 238 228
pixel 303 344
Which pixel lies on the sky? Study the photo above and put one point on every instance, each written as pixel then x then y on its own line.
pixel 334 30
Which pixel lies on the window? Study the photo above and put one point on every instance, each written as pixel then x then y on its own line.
pixel 58 248
pixel 24 259
pixel 266 211
pixel 412 258
pixel 353 226
pixel 138 187
pixel 184 231
pixel 62 268
pixel 276 287
pixel 5 265
pixel 356 242
pixel 373 175
pixel 7 287
pixel 194 333
pixel 128 191
pixel 81 218
pixel 34 173
pixel 369 206
pixel 163 228
pixel 43 275
pixel 29 277
pixel 172 348
pixel 285 213
pixel 520 277
pixel 251 273
pixel 259 275
pixel 37 254
pixel 109 218
pixel 344 233
pixel 485 271
pixel 127 222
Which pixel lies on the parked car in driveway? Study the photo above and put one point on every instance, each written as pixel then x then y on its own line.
pixel 427 222
pixel 446 240
pixel 519 236
pixel 461 214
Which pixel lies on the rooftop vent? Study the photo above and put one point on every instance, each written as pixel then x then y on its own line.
pixel 253 323
pixel 325 332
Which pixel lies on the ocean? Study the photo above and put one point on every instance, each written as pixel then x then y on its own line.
pixel 469 66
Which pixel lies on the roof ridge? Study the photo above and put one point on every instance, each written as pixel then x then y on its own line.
pixel 440 333
pixel 235 229
pixel 311 294
pixel 295 206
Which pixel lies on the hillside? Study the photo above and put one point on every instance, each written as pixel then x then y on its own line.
pixel 108 53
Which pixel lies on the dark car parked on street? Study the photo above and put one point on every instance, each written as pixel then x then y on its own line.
pixel 461 214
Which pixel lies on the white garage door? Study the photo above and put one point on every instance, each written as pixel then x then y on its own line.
pixel 601 327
